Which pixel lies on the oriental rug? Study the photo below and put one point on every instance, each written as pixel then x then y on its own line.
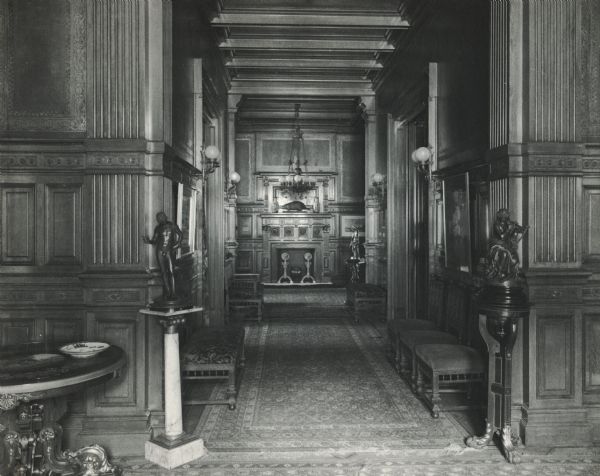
pixel 322 384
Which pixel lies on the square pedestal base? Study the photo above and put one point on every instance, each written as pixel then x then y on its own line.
pixel 173 454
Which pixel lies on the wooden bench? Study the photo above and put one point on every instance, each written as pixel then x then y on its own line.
pixel 214 354
pixel 246 297
pixel 363 296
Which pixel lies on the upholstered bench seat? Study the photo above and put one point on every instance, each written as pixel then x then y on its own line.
pixel 397 327
pixel 446 364
pixel 212 354
pixel 408 342
pixel 362 295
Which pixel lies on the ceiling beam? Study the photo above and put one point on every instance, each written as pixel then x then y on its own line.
pixel 303 63
pixel 302 88
pixel 305 44
pixel 227 19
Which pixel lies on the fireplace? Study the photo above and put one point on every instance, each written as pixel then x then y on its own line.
pixel 296 234
pixel 296 264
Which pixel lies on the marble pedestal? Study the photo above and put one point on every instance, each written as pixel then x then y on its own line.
pixel 174 447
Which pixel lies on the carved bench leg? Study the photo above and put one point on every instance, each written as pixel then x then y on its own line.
pixel 419 380
pixel 413 377
pixel 435 395
pixel 231 389
pixel 403 365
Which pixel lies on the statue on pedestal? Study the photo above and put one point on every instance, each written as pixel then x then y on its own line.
pixel 503 259
pixel 167 239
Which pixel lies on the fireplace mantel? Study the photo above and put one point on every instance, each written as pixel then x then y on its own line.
pixel 299 230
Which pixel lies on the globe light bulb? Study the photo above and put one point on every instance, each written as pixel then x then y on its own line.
pixel 234 177
pixel 377 178
pixel 421 156
pixel 211 152
pixel 297 178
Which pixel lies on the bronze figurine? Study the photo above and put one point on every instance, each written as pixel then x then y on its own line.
pixel 503 259
pixel 167 239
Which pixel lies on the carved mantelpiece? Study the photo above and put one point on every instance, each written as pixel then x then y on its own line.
pixel 308 231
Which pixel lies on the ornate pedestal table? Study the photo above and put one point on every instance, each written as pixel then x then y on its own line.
pixel 174 447
pixel 31 374
pixel 502 309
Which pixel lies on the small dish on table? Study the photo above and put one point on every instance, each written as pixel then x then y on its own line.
pixel 82 350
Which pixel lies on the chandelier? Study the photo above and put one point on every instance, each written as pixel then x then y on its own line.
pixel 294 181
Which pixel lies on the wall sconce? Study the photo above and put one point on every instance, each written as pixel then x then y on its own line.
pixel 234 179
pixel 210 160
pixel 423 159
pixel 379 188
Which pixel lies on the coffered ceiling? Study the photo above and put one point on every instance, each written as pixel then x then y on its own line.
pixel 306 47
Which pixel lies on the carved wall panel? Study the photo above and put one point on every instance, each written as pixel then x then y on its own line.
pixel 273 152
pixel 18 225
pixel 553 71
pixel 591 342
pixel 53 49
pixel 351 160
pixel 591 241
pixel 244 160
pixel 17 331
pixel 63 329
pixel 114 215
pixel 63 224
pixel 124 329
pixel 499 47
pixel 116 75
pixel 554 211
pixel 555 357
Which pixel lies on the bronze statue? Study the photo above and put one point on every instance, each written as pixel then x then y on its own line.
pixel 167 238
pixel 355 244
pixel 503 259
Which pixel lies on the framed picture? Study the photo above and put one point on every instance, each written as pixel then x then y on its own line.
pixel 349 222
pixel 457 229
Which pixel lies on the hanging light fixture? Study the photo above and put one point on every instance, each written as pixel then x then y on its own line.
pixel 294 182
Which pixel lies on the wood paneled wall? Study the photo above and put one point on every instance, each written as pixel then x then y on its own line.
pixel 552 60
pixel 116 68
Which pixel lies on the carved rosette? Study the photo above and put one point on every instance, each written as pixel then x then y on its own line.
pixel 9 401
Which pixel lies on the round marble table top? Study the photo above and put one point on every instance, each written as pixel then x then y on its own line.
pixel 38 370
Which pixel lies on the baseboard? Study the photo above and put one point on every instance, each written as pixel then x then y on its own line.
pixel 119 435
pixel 555 427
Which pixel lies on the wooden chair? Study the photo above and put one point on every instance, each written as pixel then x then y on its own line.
pixel 214 354
pixel 443 367
pixel 246 297
pixel 362 296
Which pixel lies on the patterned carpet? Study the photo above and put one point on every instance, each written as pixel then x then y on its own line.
pixel 322 383
pixel 318 397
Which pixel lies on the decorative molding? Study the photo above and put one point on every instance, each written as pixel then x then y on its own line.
pixel 117 296
pixel 591 164
pixel 42 162
pixel 116 160
pixel 553 163
pixel 591 293
pixel 16 296
pixel 555 293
